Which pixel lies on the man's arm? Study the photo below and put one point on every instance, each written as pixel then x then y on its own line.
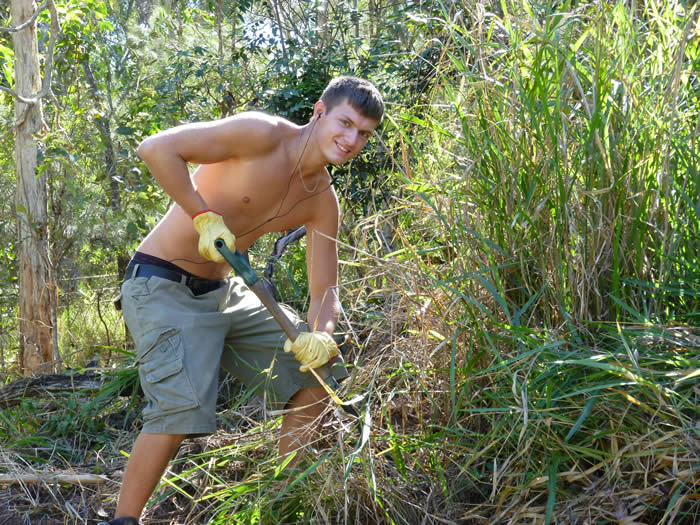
pixel 167 153
pixel 322 267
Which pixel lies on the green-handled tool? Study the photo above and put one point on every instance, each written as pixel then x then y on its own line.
pixel 251 279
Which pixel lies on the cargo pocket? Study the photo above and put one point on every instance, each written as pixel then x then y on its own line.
pixel 164 380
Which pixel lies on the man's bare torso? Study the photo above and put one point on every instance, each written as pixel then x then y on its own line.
pixel 256 195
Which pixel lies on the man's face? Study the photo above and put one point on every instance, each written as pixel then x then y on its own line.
pixel 343 132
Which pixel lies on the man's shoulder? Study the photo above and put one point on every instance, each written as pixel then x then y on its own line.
pixel 255 131
pixel 261 120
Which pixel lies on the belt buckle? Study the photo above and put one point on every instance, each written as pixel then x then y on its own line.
pixel 190 282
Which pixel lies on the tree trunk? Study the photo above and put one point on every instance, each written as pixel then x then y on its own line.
pixel 37 291
pixel 322 21
pixel 356 22
pixel 278 17
pixel 234 16
pixel 103 126
pixel 219 30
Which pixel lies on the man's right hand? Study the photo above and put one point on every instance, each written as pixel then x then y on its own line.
pixel 210 226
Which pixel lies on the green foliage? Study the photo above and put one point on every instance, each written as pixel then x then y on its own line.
pixel 6 59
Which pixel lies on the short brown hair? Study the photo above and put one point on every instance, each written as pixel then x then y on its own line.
pixel 360 94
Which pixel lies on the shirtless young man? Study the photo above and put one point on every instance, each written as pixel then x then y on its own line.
pixel 257 174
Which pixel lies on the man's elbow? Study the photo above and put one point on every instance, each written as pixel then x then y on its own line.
pixel 146 149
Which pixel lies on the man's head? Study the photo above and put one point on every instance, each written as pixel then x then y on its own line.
pixel 359 93
pixel 344 119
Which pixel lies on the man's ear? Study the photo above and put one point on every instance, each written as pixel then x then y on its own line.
pixel 319 109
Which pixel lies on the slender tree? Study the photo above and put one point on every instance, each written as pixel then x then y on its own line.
pixel 37 291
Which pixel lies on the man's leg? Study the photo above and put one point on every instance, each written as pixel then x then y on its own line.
pixel 149 457
pixel 301 427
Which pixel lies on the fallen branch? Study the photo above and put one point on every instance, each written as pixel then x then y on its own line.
pixel 15 392
pixel 52 477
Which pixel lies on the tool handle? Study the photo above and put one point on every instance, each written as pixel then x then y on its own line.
pixel 237 262
pixel 251 279
pixel 275 310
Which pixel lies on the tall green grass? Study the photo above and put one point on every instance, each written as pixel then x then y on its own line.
pixel 575 166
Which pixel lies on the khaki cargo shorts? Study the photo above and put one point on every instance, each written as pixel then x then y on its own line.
pixel 182 340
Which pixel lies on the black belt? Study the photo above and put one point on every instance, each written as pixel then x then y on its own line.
pixel 198 285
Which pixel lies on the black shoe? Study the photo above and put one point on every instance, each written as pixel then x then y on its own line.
pixel 120 521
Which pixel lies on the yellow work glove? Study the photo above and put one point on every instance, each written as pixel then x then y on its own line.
pixel 210 226
pixel 312 349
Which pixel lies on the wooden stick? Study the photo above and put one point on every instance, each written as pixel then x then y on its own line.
pixel 56 477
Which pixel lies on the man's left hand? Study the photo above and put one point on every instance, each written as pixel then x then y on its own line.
pixel 312 349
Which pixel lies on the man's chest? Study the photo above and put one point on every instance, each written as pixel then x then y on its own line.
pixel 258 197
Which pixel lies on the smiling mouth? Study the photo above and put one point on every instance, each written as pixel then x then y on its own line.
pixel 343 149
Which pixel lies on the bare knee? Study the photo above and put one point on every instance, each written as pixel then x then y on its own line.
pixel 300 425
pixel 309 399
